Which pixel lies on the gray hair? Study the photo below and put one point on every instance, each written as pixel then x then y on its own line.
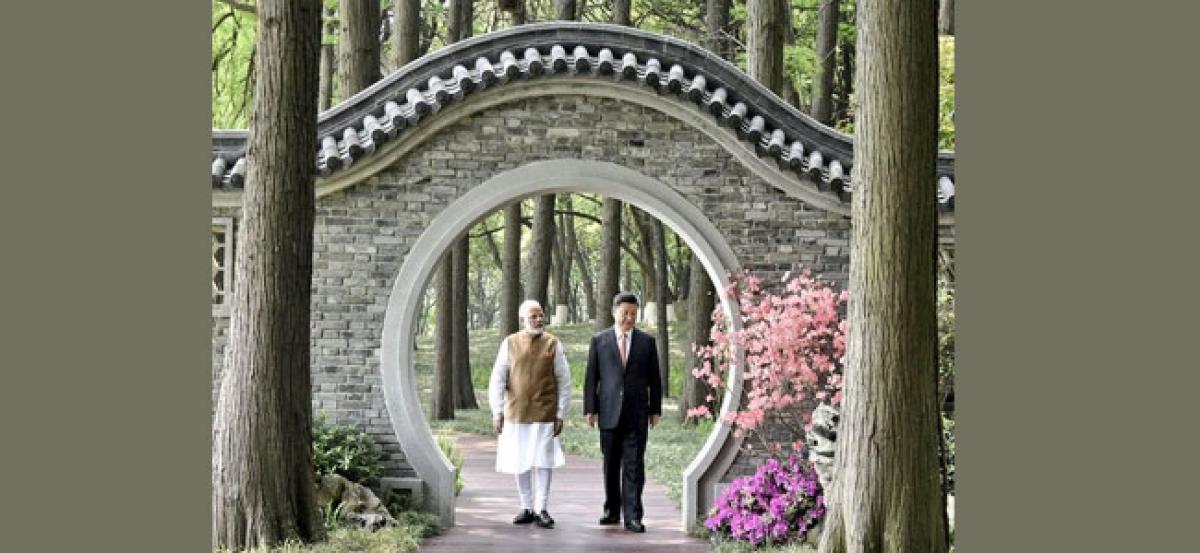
pixel 523 310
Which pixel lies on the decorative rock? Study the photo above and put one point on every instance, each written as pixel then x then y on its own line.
pixel 821 443
pixel 354 503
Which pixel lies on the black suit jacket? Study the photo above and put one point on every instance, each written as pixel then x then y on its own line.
pixel 608 389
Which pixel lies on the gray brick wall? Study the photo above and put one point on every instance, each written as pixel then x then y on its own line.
pixel 364 232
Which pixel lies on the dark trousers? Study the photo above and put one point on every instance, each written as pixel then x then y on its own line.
pixel 624 449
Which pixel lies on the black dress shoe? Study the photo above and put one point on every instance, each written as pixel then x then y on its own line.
pixel 525 517
pixel 610 517
pixel 543 519
pixel 634 526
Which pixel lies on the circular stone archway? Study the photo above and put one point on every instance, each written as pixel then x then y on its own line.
pixel 543 177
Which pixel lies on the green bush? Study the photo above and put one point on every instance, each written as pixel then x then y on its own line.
pixel 446 443
pixel 345 450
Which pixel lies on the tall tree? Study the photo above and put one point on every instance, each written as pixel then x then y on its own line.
pixel 464 390
pixel 510 278
pixel 516 10
pixel 620 12
pixel 644 256
pixel 660 261
pixel 826 52
pixel 702 299
pixel 540 252
pixel 716 21
pixel 358 52
pixel 459 27
pixel 460 17
pixel 610 261
pixel 442 407
pixel 328 54
pixel 581 261
pixel 406 30
pixel 946 18
pixel 564 10
pixel 887 495
pixel 263 476
pixel 764 42
pixel 564 251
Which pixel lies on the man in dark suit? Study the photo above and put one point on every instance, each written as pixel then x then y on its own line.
pixel 623 391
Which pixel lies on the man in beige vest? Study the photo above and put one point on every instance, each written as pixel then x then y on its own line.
pixel 529 393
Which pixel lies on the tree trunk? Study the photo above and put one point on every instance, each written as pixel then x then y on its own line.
pixel 406 31
pixel 620 12
pixel 702 300
pixel 510 298
pixel 358 56
pixel 645 259
pixel 887 496
pixel 610 262
pixel 846 83
pixel 826 63
pixel 466 14
pixel 562 270
pixel 517 12
pixel 946 18
pixel 442 407
pixel 326 77
pixel 464 389
pixel 764 42
pixel 716 21
pixel 660 258
pixel 564 10
pixel 539 254
pixel 585 273
pixel 263 479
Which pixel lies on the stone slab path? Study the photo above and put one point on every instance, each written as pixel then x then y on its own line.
pixel 483 519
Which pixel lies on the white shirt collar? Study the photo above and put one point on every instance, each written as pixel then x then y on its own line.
pixel 617 331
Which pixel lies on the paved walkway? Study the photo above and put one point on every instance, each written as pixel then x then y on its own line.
pixel 488 502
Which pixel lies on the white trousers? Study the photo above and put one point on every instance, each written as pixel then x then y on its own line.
pixel 529 500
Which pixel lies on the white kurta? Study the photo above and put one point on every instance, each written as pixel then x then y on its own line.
pixel 523 446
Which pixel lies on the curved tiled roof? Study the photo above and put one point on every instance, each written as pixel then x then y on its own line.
pixel 355 128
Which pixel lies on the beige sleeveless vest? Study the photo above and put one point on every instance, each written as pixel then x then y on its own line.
pixel 532 387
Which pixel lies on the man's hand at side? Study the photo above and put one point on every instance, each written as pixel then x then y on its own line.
pixel 498 423
pixel 591 419
pixel 653 421
pixel 558 426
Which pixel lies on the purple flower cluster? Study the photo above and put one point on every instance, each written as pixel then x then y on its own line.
pixel 781 501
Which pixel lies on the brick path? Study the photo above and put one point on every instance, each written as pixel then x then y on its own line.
pixel 483 519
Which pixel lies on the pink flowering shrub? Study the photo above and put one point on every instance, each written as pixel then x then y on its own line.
pixel 780 502
pixel 794 344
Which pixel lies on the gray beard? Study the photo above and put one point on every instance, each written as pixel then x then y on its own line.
pixel 533 331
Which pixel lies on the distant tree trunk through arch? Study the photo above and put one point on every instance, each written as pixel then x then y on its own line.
pixel 540 252
pixel 263 476
pixel 888 492
pixel 510 298
pixel 443 364
pixel 610 261
pixel 702 299
pixel 464 397
pixel 664 349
